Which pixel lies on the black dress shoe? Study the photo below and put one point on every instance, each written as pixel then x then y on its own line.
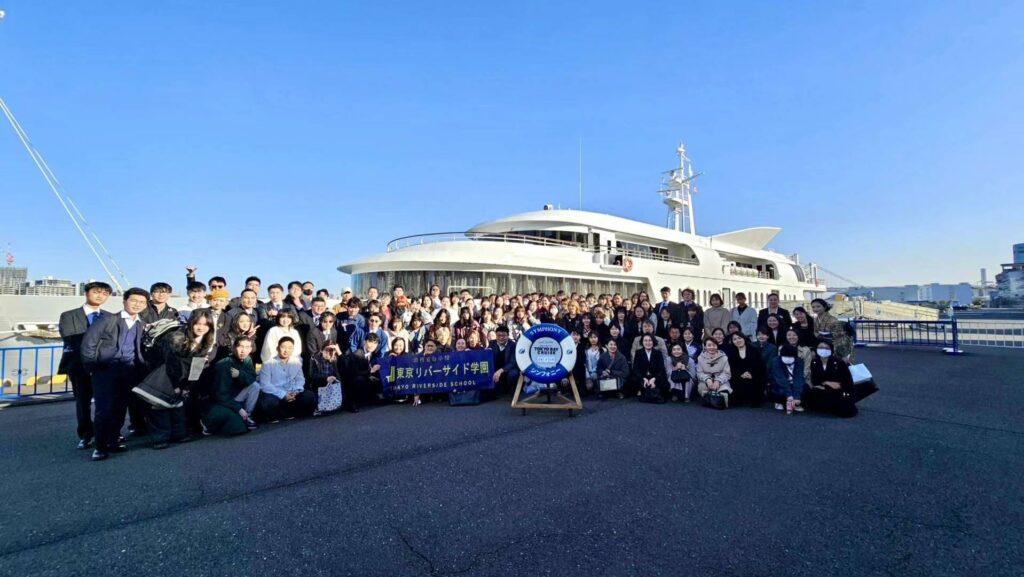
pixel 121 440
pixel 118 448
pixel 84 444
pixel 161 445
pixel 99 455
pixel 353 409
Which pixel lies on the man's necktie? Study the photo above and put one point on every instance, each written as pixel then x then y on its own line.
pixel 92 317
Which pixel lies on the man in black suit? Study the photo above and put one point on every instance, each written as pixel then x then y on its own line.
pixel 112 354
pixel 253 284
pixel 246 303
pixel 774 309
pixel 506 370
pixel 674 309
pixel 689 298
pixel 72 326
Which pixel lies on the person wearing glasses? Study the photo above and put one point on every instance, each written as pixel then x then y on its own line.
pixel 112 354
pixel 317 338
pixel 158 309
pixel 216 282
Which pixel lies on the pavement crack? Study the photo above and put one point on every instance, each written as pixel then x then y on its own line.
pixel 943 421
pixel 412 549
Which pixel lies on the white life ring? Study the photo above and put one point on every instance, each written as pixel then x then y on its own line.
pixel 627 264
pixel 546 353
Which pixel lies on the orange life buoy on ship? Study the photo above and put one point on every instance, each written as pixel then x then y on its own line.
pixel 627 264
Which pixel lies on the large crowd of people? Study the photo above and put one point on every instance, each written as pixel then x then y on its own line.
pixel 225 365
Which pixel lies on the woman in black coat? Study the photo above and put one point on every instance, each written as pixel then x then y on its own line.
pixel 648 373
pixel 749 375
pixel 831 389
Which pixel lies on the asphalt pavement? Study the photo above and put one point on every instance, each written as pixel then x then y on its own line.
pixel 925 481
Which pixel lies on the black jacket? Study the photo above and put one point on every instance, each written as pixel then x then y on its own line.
pixel 753 364
pixel 72 327
pixel 504 360
pixel 784 319
pixel 315 341
pixel 150 315
pixel 644 369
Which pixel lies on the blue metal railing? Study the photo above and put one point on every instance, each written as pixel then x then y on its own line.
pixel 941 334
pixel 27 371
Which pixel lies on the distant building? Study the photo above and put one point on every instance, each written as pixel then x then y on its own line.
pixel 962 293
pixel 12 280
pixel 50 286
pixel 1010 282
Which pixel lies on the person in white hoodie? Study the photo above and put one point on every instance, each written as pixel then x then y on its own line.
pixel 283 391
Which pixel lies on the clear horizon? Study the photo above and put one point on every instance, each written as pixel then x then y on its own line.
pixel 283 142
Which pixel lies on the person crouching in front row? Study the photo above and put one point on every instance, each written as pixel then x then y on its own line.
pixel 649 378
pixel 362 383
pixel 713 375
pixel 283 391
pixel 235 392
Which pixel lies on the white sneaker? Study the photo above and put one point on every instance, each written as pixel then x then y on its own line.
pixel 780 407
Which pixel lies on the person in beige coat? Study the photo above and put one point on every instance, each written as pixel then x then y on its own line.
pixel 713 373
pixel 716 316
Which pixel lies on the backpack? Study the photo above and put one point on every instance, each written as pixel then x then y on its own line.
pixel 154 336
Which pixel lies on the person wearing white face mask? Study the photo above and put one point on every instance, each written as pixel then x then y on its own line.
pixel 786 374
pixel 831 388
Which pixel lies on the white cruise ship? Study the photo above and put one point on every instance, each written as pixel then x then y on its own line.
pixel 588 252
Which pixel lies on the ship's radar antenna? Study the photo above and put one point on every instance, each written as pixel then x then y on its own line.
pixel 677 189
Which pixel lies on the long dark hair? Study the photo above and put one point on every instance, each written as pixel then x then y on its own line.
pixel 188 346
pixel 235 331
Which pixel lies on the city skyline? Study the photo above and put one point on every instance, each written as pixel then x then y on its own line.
pixel 881 139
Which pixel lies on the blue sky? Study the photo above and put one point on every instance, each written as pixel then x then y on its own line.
pixel 283 139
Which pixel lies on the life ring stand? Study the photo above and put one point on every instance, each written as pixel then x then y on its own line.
pixel 627 264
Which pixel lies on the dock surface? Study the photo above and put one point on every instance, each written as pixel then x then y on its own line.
pixel 927 480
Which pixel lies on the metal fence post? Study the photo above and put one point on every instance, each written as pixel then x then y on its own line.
pixel 955 350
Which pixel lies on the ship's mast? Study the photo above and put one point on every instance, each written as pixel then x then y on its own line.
pixel 677 188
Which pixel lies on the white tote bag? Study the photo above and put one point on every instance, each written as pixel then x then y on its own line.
pixel 860 373
pixel 329 398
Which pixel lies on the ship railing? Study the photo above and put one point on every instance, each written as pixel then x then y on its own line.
pixel 942 334
pixel 748 272
pixel 421 239
pixel 514 238
pixel 30 371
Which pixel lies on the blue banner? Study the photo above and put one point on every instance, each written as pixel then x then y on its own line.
pixel 438 373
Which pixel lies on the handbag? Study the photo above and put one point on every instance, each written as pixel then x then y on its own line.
pixel 158 390
pixel 605 385
pixel 329 397
pixel 651 395
pixel 680 376
pixel 860 373
pixel 716 400
pixel 464 398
